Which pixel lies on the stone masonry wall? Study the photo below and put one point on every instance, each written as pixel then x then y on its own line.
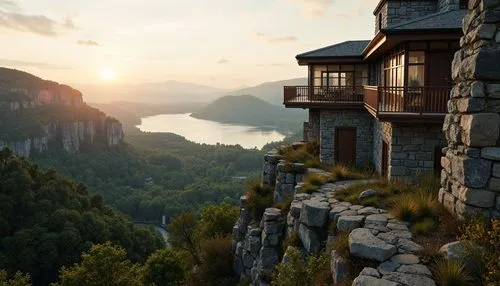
pixel 312 126
pixel 288 175
pixel 471 176
pixel 448 5
pixel 381 131
pixel 362 120
pixel 402 11
pixel 412 149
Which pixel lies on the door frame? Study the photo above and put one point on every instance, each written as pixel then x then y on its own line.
pixel 336 142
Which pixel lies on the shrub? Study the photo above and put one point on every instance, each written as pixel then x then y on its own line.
pixel 315 179
pixel 403 207
pixel 258 199
pixel 341 245
pixel 309 189
pixel 483 242
pixel 217 220
pixel 308 154
pixel 163 268
pixel 298 271
pixel 423 227
pixel 292 240
pixel 426 206
pixel 452 273
pixel 19 279
pixel 340 173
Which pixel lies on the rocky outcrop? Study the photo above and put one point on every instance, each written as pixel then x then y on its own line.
pixel 287 176
pixel 470 178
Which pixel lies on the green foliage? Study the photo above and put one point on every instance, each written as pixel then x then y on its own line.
pixel 315 179
pixel 452 273
pixel 163 268
pixel 285 205
pixel 298 271
pixel 183 234
pixel 309 189
pixel 218 220
pixel 258 199
pixel 291 240
pixel 423 227
pixel 342 173
pixel 482 238
pixel 216 267
pixel 47 222
pixel 18 279
pixel 308 154
pixel 104 264
pixel 159 174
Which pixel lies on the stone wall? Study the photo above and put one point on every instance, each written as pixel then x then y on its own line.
pixel 382 131
pixel 270 168
pixel 311 128
pixel 394 12
pixel 411 151
pixel 448 5
pixel 362 120
pixel 288 175
pixel 471 176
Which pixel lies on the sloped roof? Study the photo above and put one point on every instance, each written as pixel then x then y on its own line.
pixel 441 20
pixel 344 49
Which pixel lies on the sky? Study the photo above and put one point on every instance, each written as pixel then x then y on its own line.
pixel 219 43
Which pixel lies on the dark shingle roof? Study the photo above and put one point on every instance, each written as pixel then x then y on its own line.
pixel 344 49
pixel 441 20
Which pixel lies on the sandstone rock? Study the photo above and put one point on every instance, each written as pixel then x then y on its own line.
pixel 339 268
pixel 418 269
pixel 348 223
pixel 314 213
pixel 368 271
pixel 405 259
pixel 388 267
pixel 364 244
pixel 480 129
pixel 367 194
pixel 311 240
pixel 363 280
pixel 409 279
pixel 473 173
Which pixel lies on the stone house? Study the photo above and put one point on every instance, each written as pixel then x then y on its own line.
pixel 383 101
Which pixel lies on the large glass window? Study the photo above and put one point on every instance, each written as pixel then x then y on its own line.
pixel 394 70
pixel 339 75
pixel 416 68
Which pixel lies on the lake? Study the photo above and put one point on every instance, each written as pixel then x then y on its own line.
pixel 209 132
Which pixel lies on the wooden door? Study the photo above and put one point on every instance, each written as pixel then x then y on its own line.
pixel 345 145
pixel 385 159
pixel 439 69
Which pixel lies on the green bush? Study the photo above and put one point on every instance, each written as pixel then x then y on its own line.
pixel 423 227
pixel 403 208
pixel 452 273
pixel 258 199
pixel 308 154
pixel 298 271
pixel 309 189
pixel 163 268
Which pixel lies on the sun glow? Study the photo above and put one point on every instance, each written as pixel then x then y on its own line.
pixel 108 74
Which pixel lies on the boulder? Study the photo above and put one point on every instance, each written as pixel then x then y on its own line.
pixel 310 239
pixel 380 219
pixel 368 211
pixel 405 259
pixel 418 269
pixel 364 244
pixel 388 267
pixel 348 223
pixel 363 280
pixel 409 279
pixel 407 246
pixel 339 268
pixel 314 213
pixel 368 271
pixel 367 194
pixel 453 250
pixel 271 214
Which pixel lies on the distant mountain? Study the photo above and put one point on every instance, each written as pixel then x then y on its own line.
pixel 253 111
pixel 158 93
pixel 271 92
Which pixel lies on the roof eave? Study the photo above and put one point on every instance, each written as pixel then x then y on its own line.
pixel 303 61
pixel 421 31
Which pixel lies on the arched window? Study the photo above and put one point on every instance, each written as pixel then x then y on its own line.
pixel 464 4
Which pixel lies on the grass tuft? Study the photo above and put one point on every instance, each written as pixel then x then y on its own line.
pixel 452 273
pixel 258 199
pixel 423 227
pixel 341 245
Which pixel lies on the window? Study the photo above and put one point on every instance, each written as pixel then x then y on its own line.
pixel 339 75
pixel 337 79
pixel 416 68
pixel 464 4
pixel 394 70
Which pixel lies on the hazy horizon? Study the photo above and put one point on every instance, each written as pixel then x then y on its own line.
pixel 217 43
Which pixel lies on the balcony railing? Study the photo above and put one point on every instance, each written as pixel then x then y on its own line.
pixel 428 101
pixel 303 96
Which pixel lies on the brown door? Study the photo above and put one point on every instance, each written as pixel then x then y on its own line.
pixel 439 69
pixel 345 145
pixel 385 159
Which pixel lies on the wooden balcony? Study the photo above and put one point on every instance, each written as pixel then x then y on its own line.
pixel 348 97
pixel 427 103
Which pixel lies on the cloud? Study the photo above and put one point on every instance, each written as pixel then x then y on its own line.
pixel 36 24
pixel 314 8
pixel 222 61
pixel 9 5
pixel 89 43
pixel 273 39
pixel 16 63
pixel 69 23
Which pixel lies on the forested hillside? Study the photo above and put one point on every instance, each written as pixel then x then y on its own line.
pixel 47 221
pixel 160 173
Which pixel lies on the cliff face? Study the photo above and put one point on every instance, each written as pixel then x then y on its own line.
pixel 38 115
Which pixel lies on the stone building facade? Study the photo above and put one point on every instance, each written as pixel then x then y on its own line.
pixel 394 12
pixel 471 163
pixel 331 120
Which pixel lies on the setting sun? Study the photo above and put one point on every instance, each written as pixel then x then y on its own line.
pixel 108 74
